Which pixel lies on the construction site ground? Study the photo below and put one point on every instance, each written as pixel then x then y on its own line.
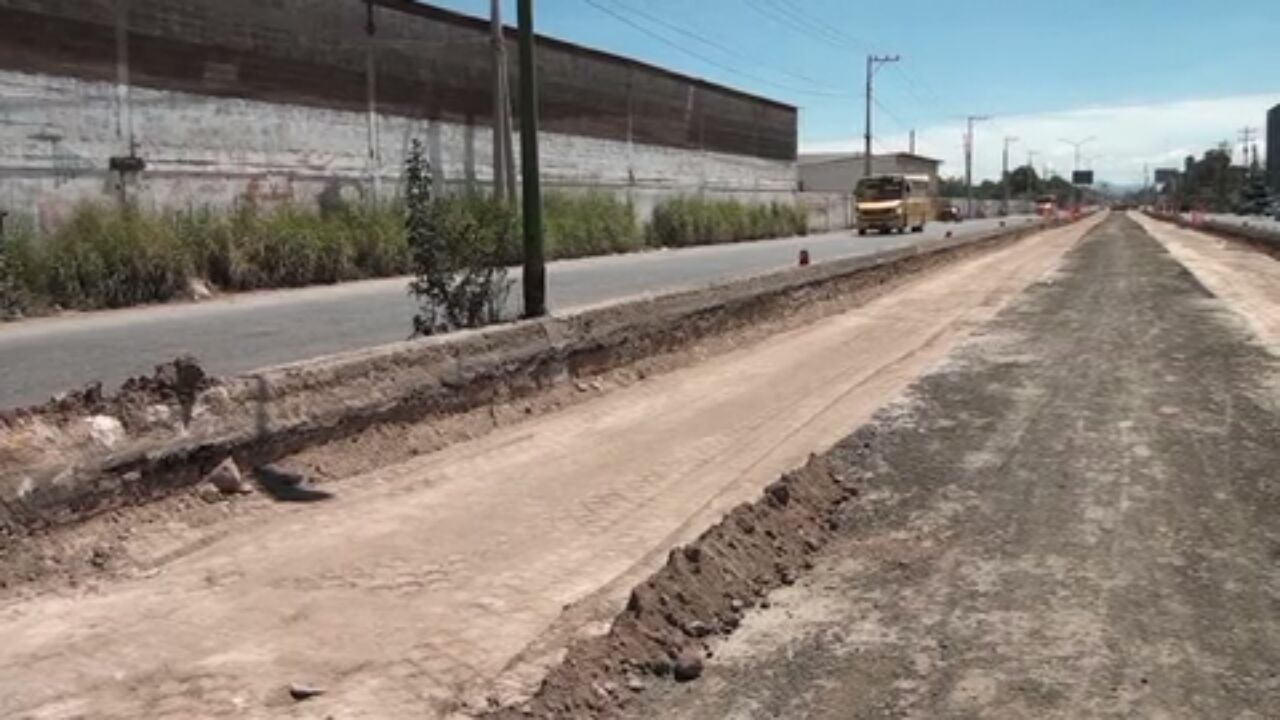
pixel 1067 512
pixel 1073 517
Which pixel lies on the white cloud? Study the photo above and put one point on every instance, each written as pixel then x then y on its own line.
pixel 1159 134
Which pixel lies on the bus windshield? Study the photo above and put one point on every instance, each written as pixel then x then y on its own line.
pixel 881 188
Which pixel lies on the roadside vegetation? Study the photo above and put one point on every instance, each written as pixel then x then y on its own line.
pixel 696 220
pixel 108 256
pixel 459 246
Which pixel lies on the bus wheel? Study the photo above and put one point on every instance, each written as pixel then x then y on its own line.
pixel 862 231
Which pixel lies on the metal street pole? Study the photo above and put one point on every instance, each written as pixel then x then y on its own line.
pixel 1005 170
pixel 873 63
pixel 1077 144
pixel 968 159
pixel 534 280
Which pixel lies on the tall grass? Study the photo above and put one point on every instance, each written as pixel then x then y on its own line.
pixel 592 223
pixel 107 256
pixel 697 220
pixel 111 257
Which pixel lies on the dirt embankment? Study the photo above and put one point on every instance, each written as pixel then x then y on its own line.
pixel 1259 238
pixel 90 452
pixel 701 593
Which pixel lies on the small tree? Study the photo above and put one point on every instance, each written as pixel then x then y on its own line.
pixel 458 246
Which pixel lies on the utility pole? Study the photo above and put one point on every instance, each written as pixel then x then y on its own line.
pixel 534 280
pixel 968 158
pixel 1005 170
pixel 873 63
pixel 371 106
pixel 911 142
pixel 1031 169
pixel 501 138
pixel 1247 136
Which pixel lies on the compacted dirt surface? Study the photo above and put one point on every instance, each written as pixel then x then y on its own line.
pixel 1075 516
pixel 435 585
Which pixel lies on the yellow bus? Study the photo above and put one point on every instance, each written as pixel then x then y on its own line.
pixel 893 202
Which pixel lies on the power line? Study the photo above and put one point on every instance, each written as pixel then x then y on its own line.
pixel 787 7
pixel 710 61
pixel 773 13
pixel 902 124
pixel 716 44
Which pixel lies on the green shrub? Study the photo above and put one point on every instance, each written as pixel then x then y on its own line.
pixel 378 240
pixel 697 220
pixel 459 246
pixel 110 258
pixel 592 223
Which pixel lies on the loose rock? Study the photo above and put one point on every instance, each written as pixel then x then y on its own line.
pixel 209 493
pixel 688 666
pixel 227 479
pixel 303 692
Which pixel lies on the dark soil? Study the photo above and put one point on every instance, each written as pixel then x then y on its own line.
pixel 1074 518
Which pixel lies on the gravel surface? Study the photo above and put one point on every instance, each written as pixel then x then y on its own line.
pixel 1074 517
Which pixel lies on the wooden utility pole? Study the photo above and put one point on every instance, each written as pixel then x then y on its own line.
pixel 535 271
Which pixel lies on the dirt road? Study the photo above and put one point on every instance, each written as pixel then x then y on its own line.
pixel 420 583
pixel 1074 517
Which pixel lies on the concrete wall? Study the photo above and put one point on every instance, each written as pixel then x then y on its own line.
pixel 841 174
pixel 58 134
pixel 239 100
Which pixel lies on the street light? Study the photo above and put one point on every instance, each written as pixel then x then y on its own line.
pixel 1077 144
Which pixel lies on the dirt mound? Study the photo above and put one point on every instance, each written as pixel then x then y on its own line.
pixel 176 382
pixel 671 619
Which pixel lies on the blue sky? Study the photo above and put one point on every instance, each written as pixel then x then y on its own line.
pixel 1152 79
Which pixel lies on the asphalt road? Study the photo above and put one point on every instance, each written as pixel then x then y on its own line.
pixel 39 358
pixel 1072 518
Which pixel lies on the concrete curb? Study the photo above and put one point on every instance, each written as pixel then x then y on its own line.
pixel 58 467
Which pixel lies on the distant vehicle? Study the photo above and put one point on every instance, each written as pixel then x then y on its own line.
pixel 893 202
pixel 949 213
pixel 1046 206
